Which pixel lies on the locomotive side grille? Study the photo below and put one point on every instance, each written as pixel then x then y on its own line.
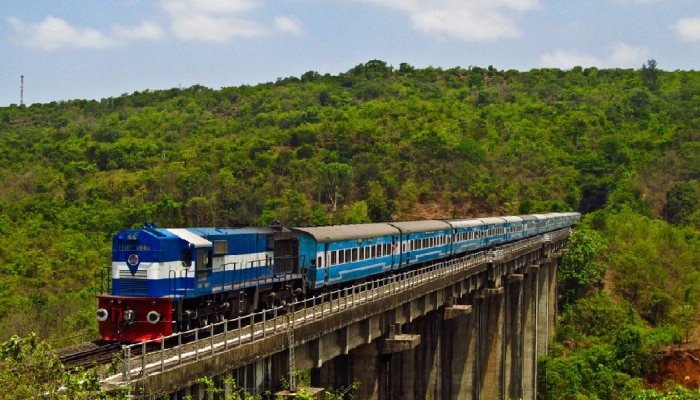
pixel 133 285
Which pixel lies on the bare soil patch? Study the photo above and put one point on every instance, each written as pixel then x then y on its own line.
pixel 680 365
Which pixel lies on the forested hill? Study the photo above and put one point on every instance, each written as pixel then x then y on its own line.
pixel 372 144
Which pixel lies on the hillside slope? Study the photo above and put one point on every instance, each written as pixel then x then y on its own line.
pixel 372 144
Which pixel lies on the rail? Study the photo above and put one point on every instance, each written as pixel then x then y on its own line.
pixel 260 325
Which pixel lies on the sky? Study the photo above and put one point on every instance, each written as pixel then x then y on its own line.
pixel 96 49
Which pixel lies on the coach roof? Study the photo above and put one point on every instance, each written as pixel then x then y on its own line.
pixel 335 233
pixel 421 226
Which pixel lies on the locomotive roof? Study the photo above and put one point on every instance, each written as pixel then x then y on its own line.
pixel 188 236
pixel 219 232
pixel 334 233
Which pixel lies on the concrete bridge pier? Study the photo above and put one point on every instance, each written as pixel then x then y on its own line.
pixel 490 344
pixel 539 318
pixel 514 345
pixel 460 338
pixel 363 364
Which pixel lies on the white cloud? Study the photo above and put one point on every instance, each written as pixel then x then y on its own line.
pixel 629 56
pixel 54 34
pixel 147 30
pixel 476 20
pixel 288 25
pixel 688 28
pixel 621 55
pixel 212 20
pixel 568 59
pixel 212 6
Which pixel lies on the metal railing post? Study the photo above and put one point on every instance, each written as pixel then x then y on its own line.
pixel 179 348
pixel 143 358
pixel 226 335
pixel 162 353
pixel 196 344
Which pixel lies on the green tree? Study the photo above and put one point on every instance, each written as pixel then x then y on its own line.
pixel 30 369
pixel 681 202
pixel 580 270
pixel 356 213
pixel 650 75
pixel 336 180
pixel 379 207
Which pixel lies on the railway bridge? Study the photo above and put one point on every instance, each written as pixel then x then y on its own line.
pixel 467 328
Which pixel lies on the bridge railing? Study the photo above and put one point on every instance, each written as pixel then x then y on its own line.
pixel 200 342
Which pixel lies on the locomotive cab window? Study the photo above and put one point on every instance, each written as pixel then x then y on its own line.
pixel 203 259
pixel 187 257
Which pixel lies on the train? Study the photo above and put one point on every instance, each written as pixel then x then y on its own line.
pixel 165 281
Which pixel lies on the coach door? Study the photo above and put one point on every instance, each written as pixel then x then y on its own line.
pixel 323 262
pixel 396 252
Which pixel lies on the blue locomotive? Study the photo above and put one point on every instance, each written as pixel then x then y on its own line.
pixel 169 280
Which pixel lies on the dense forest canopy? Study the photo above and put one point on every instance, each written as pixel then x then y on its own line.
pixel 375 143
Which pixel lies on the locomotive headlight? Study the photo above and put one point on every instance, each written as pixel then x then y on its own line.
pixel 102 315
pixel 129 315
pixel 153 317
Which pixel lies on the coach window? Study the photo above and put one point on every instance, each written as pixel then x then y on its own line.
pixel 333 258
pixel 348 255
pixel 341 256
pixel 319 263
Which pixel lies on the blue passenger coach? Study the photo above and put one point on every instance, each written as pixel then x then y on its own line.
pixel 423 241
pixel 465 234
pixel 345 253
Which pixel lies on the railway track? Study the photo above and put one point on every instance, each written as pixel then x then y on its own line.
pixel 88 354
pixel 99 352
